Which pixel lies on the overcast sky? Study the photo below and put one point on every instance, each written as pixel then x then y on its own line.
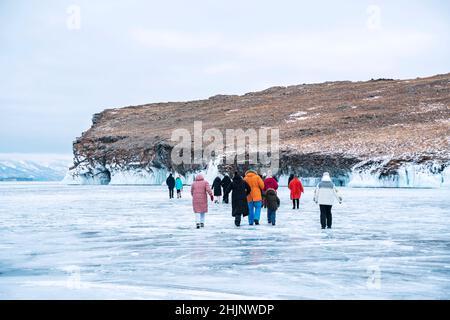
pixel 62 61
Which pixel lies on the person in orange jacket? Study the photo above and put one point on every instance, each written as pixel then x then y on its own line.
pixel 254 199
pixel 297 189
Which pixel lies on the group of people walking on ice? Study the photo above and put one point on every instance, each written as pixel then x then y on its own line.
pixel 251 193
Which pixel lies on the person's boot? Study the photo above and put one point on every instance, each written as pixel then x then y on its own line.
pixel 238 224
pixel 198 225
pixel 202 225
pixel 257 222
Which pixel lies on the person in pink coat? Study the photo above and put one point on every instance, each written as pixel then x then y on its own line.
pixel 200 190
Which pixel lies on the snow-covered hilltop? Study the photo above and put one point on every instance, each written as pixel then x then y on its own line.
pixel 381 133
pixel 33 167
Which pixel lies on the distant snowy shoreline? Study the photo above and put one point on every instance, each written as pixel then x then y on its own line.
pixel 33 167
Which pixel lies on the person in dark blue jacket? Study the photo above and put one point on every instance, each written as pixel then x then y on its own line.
pixel 226 181
pixel 217 188
pixel 170 181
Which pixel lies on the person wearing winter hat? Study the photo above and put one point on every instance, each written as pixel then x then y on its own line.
pixel 324 196
pixel 200 190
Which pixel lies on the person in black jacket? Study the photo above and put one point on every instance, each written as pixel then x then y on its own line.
pixel 170 181
pixel 273 203
pixel 240 190
pixel 217 189
pixel 226 181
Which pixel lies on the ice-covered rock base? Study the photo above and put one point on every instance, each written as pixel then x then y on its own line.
pixel 428 175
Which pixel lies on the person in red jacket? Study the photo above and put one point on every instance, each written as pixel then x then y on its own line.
pixel 269 183
pixel 296 188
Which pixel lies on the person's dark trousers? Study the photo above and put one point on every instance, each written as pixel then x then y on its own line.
pixel 325 216
pixel 170 193
pixel 295 203
pixel 225 197
pixel 272 216
pixel 237 220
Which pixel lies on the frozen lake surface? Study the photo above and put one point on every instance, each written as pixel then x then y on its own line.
pixel 108 242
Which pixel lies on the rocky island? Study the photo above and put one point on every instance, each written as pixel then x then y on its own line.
pixel 380 133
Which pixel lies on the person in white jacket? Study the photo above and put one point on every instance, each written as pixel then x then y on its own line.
pixel 324 195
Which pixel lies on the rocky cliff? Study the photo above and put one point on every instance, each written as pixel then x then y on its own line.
pixel 377 133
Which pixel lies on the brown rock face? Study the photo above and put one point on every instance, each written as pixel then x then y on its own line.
pixel 329 126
